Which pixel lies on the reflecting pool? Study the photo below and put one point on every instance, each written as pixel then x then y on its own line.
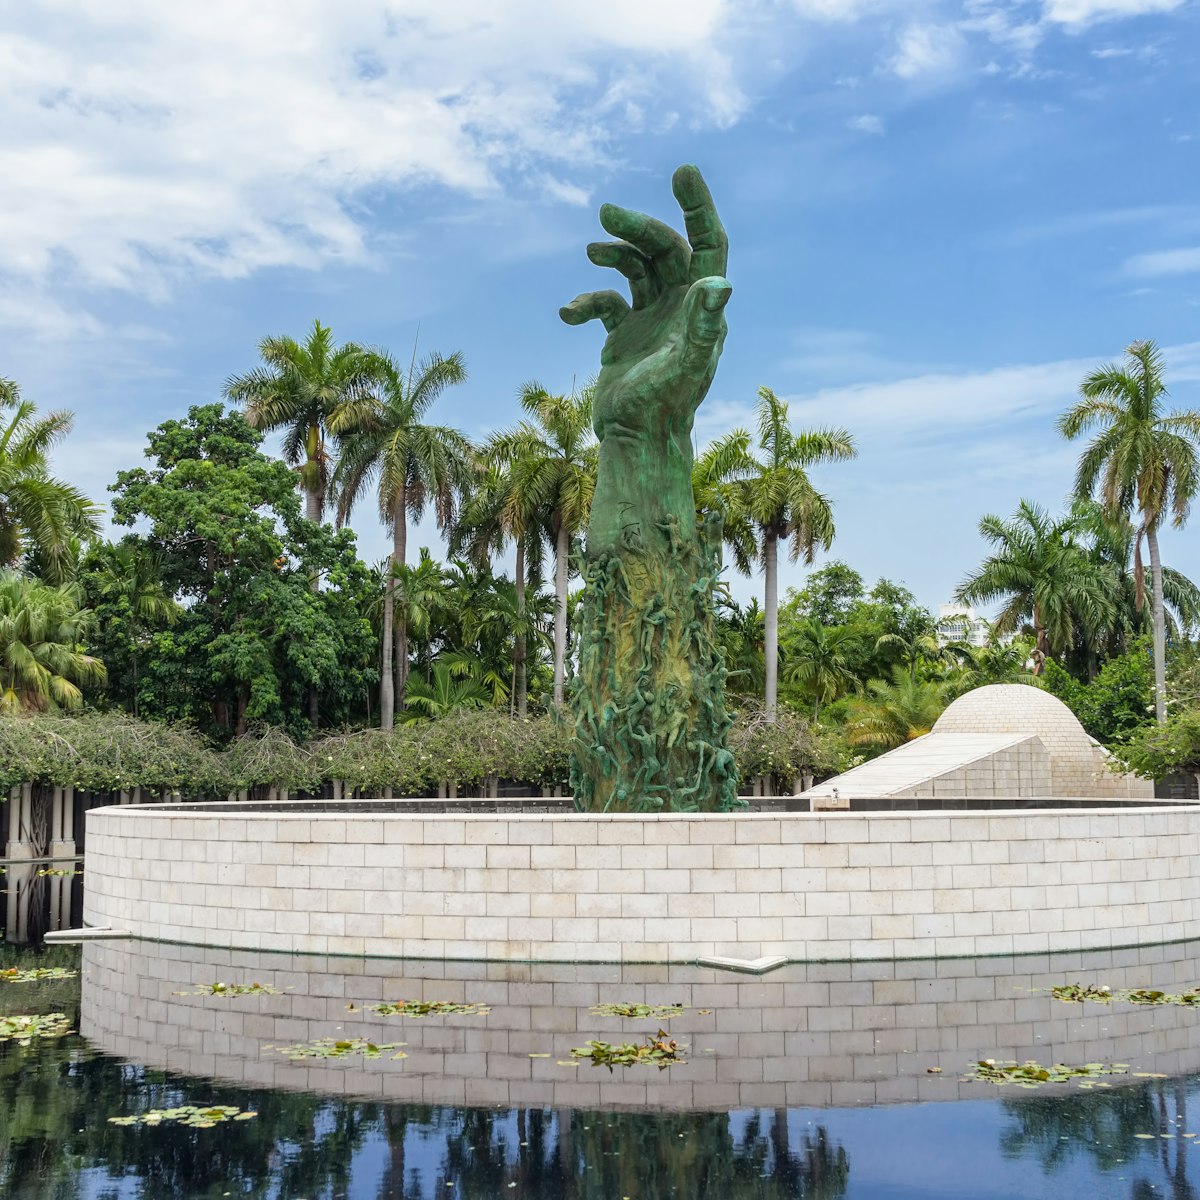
pixel 816 1081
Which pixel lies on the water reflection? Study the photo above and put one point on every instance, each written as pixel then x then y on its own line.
pixel 808 1035
pixel 726 1125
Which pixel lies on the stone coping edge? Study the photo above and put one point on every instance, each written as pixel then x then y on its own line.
pixel 246 810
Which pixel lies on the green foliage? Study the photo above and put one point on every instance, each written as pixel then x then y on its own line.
pixel 42 660
pixel 1154 751
pixel 1118 702
pixel 339 1048
pixel 104 752
pixel 254 637
pixel 38 514
pixel 829 595
pixel 1077 993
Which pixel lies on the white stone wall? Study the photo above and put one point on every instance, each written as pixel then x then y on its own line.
pixel 632 888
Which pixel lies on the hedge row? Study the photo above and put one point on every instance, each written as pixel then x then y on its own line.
pixel 102 752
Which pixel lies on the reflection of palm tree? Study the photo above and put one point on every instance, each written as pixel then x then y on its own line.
pixel 1105 1126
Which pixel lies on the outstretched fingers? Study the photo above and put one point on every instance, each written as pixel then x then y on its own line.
pixel 632 263
pixel 668 251
pixel 710 245
pixel 609 307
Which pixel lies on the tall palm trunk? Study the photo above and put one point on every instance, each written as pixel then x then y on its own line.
pixel 519 644
pixel 1041 643
pixel 1158 618
pixel 562 546
pixel 399 556
pixel 387 689
pixel 771 620
pixel 312 510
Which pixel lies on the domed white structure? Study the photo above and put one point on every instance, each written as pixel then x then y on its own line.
pixel 999 741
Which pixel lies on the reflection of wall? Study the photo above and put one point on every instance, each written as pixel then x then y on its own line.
pixel 810 1035
pixel 563 888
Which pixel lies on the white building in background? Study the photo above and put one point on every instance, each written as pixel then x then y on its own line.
pixel 960 623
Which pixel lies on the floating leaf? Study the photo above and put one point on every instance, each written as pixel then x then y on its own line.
pixel 23 1030
pixel 36 974
pixel 426 1008
pixel 339 1048
pixel 231 989
pixel 660 1050
pixel 188 1114
pixel 1032 1074
pixel 658 1012
pixel 1077 993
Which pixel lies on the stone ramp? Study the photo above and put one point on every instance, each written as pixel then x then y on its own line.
pixel 949 764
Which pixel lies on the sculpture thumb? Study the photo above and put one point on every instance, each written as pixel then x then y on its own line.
pixel 704 310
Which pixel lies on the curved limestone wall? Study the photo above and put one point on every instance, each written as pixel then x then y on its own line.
pixel 646 888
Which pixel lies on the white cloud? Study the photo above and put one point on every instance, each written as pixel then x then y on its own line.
pixel 867 123
pixel 927 50
pixel 1078 14
pixel 150 138
pixel 1182 261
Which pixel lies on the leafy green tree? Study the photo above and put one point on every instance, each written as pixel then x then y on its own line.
pixel 254 640
pixel 830 594
pixel 818 659
pixel 552 457
pixel 124 584
pixel 776 496
pixel 1142 460
pixel 739 633
pixel 42 631
pixel 1118 701
pixel 1041 571
pixel 386 444
pixel 890 713
pixel 38 513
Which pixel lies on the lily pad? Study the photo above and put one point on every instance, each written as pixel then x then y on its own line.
pixel 426 1008
pixel 658 1012
pixel 659 1050
pixel 36 974
pixel 1032 1074
pixel 195 1116
pixel 24 1030
pixel 1077 993
pixel 231 989
pixel 340 1048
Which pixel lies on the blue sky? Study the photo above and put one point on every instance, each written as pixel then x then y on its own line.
pixel 941 216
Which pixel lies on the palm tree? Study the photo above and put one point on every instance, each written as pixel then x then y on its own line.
pixel 1142 460
pixel 552 473
pixel 385 443
pixel 38 513
pixel 297 389
pixel 419 595
pixel 443 693
pixel 818 658
pixel 41 631
pixel 889 714
pixel 494 514
pixel 777 497
pixel 1044 575
pixel 130 577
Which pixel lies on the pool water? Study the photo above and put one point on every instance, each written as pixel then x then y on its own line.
pixel 815 1082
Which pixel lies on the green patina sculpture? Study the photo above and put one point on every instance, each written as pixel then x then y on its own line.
pixel 648 697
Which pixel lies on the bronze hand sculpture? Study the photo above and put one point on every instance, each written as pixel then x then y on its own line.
pixel 648 700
